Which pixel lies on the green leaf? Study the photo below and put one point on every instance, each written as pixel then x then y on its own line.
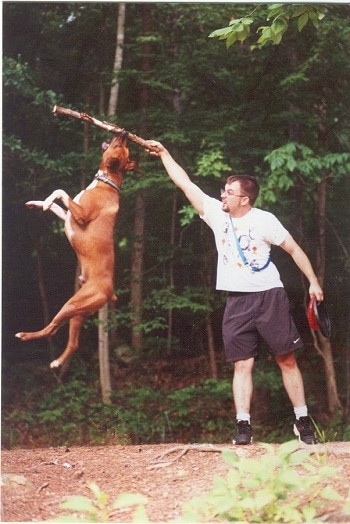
pixel 314 17
pixel 279 25
pixel 225 31
pixel 302 21
pixel 289 478
pixel 261 499
pixel 277 38
pixel 188 215
pixel 347 505
pixel 229 457
pixel 265 35
pixel 210 164
pixel 330 494
pixel 291 164
pixel 287 448
pixel 274 10
pixel 94 488
pixel 250 465
pixel 78 503
pixel 232 38
pixel 125 500
pixel 247 21
pixel 309 513
pixel 239 28
pixel 299 11
pixel 296 459
pixel 140 515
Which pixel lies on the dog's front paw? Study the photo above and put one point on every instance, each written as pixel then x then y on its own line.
pixel 36 204
pixel 55 364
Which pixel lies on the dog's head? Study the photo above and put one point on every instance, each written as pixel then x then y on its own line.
pixel 116 159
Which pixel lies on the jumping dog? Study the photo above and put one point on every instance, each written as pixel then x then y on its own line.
pixel 89 219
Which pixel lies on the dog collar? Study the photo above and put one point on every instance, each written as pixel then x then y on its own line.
pixel 100 175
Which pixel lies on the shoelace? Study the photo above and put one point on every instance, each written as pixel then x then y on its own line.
pixel 243 426
pixel 305 426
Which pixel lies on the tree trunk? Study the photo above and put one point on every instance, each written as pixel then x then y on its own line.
pixel 136 285
pixel 206 273
pixel 42 291
pixel 321 226
pixel 211 347
pixel 103 335
pixel 322 344
pixel 118 59
pixel 324 348
pixel 171 272
pixel 103 354
pixel 177 111
pixel 137 272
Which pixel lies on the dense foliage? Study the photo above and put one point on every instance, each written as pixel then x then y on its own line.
pixel 150 405
pixel 279 111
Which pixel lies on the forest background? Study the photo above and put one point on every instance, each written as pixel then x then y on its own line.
pixel 278 108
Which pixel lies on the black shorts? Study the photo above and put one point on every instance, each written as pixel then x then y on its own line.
pixel 250 315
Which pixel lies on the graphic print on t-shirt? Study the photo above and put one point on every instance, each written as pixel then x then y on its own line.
pixel 254 249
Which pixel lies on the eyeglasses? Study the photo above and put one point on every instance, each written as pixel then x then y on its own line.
pixel 229 194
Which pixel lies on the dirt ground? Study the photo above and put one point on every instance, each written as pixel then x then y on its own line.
pixel 36 481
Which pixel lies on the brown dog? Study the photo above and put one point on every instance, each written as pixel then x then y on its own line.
pixel 89 225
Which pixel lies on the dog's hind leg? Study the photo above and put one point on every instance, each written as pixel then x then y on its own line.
pixel 75 325
pixel 86 301
pixel 48 331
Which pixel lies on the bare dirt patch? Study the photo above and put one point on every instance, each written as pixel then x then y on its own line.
pixel 36 481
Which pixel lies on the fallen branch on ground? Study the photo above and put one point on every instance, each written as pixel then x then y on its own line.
pixel 181 451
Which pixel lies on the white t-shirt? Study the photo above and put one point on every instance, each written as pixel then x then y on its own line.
pixel 256 232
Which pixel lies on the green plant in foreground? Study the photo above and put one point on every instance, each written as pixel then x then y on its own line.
pixel 100 509
pixel 278 487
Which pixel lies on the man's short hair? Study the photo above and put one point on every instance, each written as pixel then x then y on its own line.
pixel 249 185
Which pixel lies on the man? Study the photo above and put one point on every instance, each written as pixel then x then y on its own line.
pixel 257 303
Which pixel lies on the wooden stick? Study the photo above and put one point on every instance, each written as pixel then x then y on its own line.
pixel 107 126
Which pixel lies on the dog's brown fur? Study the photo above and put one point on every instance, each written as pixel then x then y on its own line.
pixel 89 225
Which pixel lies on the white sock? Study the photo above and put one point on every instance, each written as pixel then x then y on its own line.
pixel 300 411
pixel 243 416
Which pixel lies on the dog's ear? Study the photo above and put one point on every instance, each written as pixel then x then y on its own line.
pixel 114 164
pixel 132 165
pixel 128 165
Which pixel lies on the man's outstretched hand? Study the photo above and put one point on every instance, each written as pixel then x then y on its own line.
pixel 155 148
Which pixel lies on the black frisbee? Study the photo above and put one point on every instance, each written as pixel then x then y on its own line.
pixel 318 317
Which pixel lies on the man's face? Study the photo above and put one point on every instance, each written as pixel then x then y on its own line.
pixel 233 198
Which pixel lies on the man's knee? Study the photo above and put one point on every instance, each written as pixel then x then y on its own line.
pixel 286 361
pixel 244 366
